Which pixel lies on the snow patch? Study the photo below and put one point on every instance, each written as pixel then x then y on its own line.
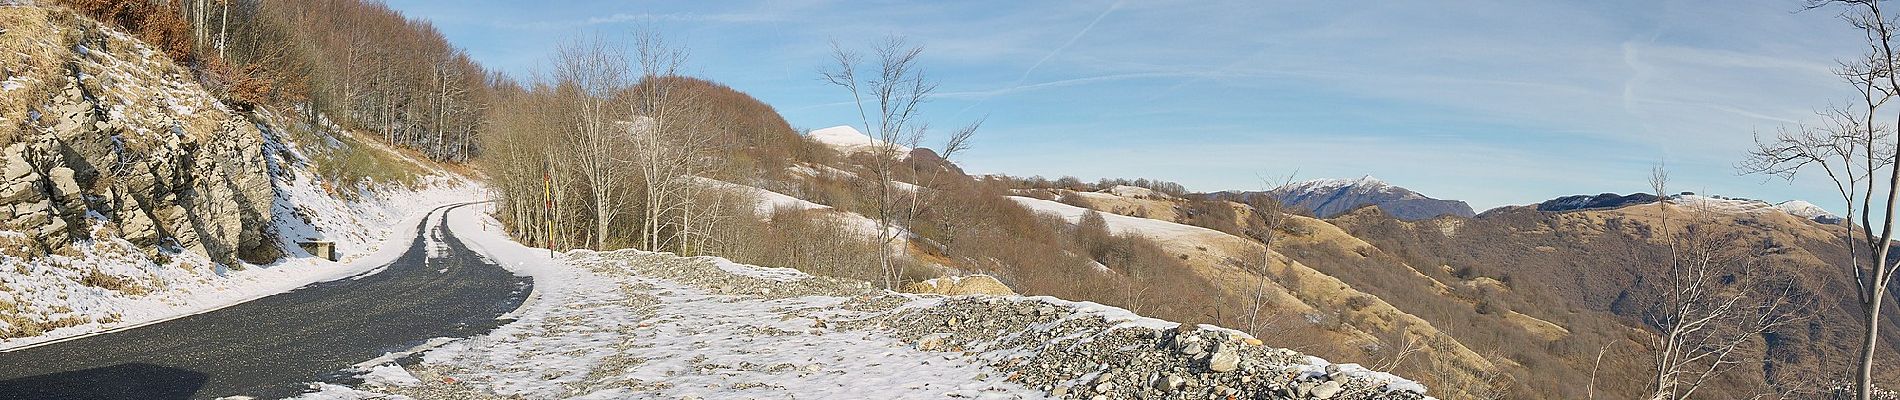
pixel 1135 192
pixel 1158 230
pixel 766 273
pixel 389 375
pixel 848 140
pixel 1315 368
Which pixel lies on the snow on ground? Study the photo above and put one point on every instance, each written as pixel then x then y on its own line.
pixel 768 201
pixel 632 324
pixel 1121 224
pixel 818 170
pixel 595 329
pixel 848 140
pixel 370 232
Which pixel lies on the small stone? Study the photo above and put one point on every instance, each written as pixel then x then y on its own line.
pixel 1059 391
pixel 1170 383
pixel 1104 387
pixel 933 342
pixel 1327 390
pixel 1224 360
pixel 1253 342
pixel 1192 349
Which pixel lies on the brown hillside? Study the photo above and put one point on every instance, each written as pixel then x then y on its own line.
pixel 1583 271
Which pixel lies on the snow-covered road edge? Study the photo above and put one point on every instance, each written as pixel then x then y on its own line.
pixel 225 288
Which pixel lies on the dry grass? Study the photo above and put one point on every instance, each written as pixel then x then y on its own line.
pixel 358 160
pixel 20 324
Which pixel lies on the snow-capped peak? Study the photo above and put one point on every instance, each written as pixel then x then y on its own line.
pixel 847 139
pixel 1364 182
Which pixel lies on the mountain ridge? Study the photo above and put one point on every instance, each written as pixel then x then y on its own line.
pixel 1325 198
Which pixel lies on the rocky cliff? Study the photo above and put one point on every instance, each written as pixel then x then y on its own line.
pixel 106 136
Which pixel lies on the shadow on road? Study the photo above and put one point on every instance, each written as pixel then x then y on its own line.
pixel 123 381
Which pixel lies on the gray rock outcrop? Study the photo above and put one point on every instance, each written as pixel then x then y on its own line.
pixel 121 147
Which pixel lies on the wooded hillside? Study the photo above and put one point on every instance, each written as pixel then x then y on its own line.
pixel 353 62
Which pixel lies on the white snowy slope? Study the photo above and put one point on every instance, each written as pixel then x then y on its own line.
pixel 1796 208
pixel 1136 192
pixel 1804 209
pixel 1363 184
pixel 768 201
pixel 1121 224
pixel 848 140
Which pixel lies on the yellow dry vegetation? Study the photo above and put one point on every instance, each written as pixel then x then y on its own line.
pixel 1297 290
pixel 1160 209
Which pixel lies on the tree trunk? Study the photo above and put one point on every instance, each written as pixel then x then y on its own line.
pixel 1864 375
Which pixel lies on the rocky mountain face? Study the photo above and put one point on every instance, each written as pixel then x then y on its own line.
pixel 109 137
pixel 1329 197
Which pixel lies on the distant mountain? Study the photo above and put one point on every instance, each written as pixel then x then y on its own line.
pixel 1329 197
pixel 1591 202
pixel 1722 204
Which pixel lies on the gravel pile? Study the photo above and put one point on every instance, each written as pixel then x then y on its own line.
pixel 1050 344
pixel 1079 354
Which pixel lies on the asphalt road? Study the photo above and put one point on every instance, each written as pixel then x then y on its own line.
pixel 271 347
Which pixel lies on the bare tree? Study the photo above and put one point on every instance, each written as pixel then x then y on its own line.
pixel 1395 346
pixel 594 71
pixel 1715 299
pixel 661 122
pixel 1852 148
pixel 1274 216
pixel 888 107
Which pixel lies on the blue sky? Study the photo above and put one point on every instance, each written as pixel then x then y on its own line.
pixel 1493 103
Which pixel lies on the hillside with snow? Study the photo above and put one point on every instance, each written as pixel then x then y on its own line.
pixel 1692 202
pixel 848 140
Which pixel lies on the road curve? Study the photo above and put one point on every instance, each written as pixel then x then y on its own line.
pixel 272 346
